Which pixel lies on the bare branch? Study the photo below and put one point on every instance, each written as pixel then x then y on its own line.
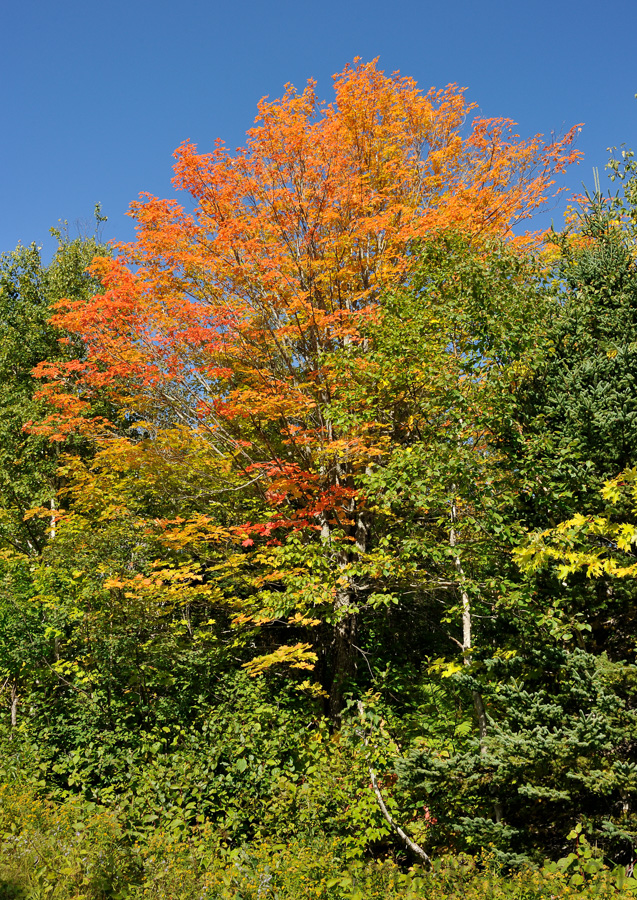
pixel 415 848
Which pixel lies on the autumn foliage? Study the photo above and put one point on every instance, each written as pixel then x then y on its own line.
pixel 280 560
pixel 220 317
pixel 223 321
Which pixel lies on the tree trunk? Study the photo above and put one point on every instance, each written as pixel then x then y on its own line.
pixel 476 696
pixel 344 640
pixel 402 834
pixel 14 705
pixel 343 657
pixel 478 704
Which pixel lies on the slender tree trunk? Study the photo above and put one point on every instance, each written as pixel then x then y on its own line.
pixel 402 834
pixel 344 641
pixel 14 705
pixel 476 696
pixel 478 704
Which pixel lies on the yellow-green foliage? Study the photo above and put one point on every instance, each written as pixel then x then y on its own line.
pixel 76 851
pixel 320 871
pixel 594 544
pixel 68 851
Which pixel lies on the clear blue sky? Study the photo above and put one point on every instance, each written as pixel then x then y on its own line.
pixel 96 96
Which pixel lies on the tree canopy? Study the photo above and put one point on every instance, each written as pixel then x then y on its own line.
pixel 300 492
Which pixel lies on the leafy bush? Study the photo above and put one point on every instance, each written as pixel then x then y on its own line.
pixel 69 850
pixel 321 871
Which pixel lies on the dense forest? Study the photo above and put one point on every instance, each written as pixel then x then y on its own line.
pixel 318 522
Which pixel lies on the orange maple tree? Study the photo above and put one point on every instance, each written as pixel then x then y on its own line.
pixel 221 319
pixel 223 313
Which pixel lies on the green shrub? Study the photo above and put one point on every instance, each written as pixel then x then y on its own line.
pixel 60 850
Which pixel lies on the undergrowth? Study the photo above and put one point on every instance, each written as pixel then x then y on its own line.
pixel 75 850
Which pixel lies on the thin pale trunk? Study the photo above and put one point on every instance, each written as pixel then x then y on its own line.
pixel 478 704
pixel 476 696
pixel 415 848
pixel 14 705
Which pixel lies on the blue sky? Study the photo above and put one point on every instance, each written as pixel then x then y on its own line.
pixel 95 97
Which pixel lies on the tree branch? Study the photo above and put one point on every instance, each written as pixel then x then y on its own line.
pixel 415 848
